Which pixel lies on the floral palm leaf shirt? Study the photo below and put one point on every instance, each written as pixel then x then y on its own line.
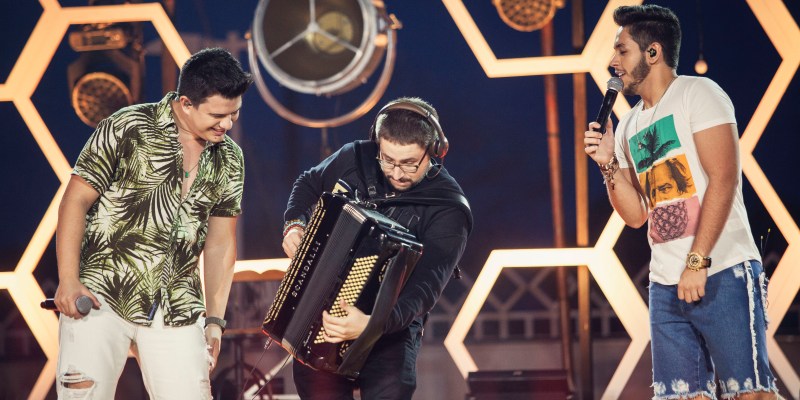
pixel 143 239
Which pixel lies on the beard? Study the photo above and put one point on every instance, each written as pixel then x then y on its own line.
pixel 407 183
pixel 638 74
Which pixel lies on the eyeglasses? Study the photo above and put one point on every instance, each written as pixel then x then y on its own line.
pixel 407 168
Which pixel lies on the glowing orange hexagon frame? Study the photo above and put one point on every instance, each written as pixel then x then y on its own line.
pixel 19 87
pixel 21 83
pixel 772 15
pixel 626 302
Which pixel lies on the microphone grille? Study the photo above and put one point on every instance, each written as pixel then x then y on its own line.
pixel 615 84
pixel 84 304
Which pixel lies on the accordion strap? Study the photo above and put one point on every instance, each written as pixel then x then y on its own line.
pixel 429 197
pixel 366 153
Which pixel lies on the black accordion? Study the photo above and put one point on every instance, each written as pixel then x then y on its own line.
pixel 349 252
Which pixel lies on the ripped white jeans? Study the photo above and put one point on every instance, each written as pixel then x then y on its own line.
pixel 93 349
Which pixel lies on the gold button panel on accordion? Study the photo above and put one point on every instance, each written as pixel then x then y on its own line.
pixel 352 287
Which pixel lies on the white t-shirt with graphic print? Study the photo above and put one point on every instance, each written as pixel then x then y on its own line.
pixel 660 148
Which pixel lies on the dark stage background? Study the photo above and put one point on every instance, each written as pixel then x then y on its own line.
pixel 496 127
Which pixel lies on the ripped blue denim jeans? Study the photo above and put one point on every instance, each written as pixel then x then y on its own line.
pixel 722 334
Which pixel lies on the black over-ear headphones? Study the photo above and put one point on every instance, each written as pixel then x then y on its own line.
pixel 652 52
pixel 440 144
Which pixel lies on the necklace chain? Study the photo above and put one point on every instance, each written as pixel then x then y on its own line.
pixel 186 173
pixel 655 109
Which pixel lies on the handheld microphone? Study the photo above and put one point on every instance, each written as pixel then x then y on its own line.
pixel 84 304
pixel 614 87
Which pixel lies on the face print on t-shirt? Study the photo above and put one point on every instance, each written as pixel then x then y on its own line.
pixel 667 180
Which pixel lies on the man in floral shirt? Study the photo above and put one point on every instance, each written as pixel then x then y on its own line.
pixel 155 185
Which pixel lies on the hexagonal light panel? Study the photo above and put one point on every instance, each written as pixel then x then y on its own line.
pixel 21 83
pixel 609 274
pixel 599 46
pixel 785 283
pixel 772 14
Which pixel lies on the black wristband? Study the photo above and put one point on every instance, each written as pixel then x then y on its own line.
pixel 216 321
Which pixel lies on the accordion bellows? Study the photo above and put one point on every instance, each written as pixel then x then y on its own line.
pixel 350 253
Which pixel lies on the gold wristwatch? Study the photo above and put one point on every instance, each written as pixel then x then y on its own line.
pixel 696 262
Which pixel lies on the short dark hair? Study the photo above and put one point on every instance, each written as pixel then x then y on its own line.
pixel 651 23
pixel 407 127
pixel 212 71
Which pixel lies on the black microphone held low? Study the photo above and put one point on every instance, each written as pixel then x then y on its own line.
pixel 614 87
pixel 84 304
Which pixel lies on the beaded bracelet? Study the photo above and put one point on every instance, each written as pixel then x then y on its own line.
pixel 608 171
pixel 291 224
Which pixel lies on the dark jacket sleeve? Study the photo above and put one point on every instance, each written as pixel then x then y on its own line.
pixel 444 240
pixel 310 184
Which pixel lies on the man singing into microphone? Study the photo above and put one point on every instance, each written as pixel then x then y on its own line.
pixel 673 162
pixel 155 185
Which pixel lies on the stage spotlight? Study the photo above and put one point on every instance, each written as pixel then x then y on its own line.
pixel 322 47
pixel 108 73
pixel 318 47
pixel 527 15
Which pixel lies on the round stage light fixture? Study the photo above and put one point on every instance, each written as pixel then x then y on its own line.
pixel 526 15
pixel 97 95
pixel 321 48
pixel 107 75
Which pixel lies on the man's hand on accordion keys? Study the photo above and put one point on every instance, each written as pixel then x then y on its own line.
pixel 292 240
pixel 349 327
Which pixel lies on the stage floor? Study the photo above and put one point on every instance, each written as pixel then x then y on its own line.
pixel 438 377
